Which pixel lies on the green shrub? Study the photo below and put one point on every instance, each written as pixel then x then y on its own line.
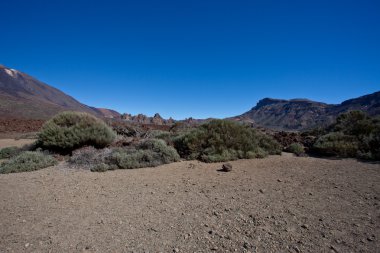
pixel 355 134
pixel 222 140
pixel 101 167
pixel 9 152
pixel 149 153
pixel 356 123
pixel 167 154
pixel 337 144
pixel 27 161
pixel 88 157
pixel 370 146
pixel 70 130
pixel 296 148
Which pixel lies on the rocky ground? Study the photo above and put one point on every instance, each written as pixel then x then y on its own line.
pixel 277 204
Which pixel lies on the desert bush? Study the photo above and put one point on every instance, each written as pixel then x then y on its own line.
pixel 356 123
pixel 337 144
pixel 149 153
pixel 167 153
pixel 354 134
pixel 70 130
pixel 222 140
pixel 88 157
pixel 133 159
pixel 27 161
pixel 369 148
pixel 296 148
pixel 101 167
pixel 9 152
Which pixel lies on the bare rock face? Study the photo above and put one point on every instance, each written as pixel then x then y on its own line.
pixel 157 119
pixel 302 114
pixel 143 119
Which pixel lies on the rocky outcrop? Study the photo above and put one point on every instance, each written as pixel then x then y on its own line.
pixel 143 119
pixel 302 114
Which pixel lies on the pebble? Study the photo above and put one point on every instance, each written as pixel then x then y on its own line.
pixel 176 250
pixel 27 245
pixel 227 167
pixel 262 191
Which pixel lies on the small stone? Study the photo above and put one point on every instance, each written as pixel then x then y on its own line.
pixel 305 226
pixel 370 239
pixel 262 191
pixel 296 249
pixel 214 248
pixel 27 245
pixel 176 250
pixel 227 167
pixel 279 180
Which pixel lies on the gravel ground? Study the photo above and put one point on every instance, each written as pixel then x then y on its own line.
pixel 277 204
pixel 12 142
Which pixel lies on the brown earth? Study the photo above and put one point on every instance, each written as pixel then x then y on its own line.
pixel 19 128
pixel 17 143
pixel 278 204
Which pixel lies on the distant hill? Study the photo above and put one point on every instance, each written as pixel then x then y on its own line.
pixel 301 114
pixel 22 96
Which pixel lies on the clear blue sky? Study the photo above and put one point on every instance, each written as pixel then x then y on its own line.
pixel 195 57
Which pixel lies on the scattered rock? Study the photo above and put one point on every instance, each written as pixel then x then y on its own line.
pixel 262 191
pixel 227 167
pixel 296 249
pixel 371 238
pixel 176 250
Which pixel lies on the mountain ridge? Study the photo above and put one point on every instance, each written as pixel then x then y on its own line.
pixel 23 96
pixel 303 114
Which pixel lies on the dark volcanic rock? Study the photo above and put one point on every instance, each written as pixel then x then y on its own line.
pixel 302 114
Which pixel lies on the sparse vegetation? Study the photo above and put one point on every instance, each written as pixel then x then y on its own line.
pixel 296 148
pixel 9 152
pixel 222 140
pixel 149 153
pixel 70 130
pixel 354 134
pixel 27 161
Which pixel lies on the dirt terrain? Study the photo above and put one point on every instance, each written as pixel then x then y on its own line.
pixel 12 142
pixel 277 204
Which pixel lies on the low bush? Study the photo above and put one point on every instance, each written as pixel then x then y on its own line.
pixel 167 153
pixel 296 148
pixel 27 161
pixel 70 130
pixel 9 152
pixel 355 134
pixel 222 140
pixel 149 153
pixel 88 157
pixel 337 144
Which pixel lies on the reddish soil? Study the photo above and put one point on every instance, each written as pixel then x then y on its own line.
pixel 20 125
